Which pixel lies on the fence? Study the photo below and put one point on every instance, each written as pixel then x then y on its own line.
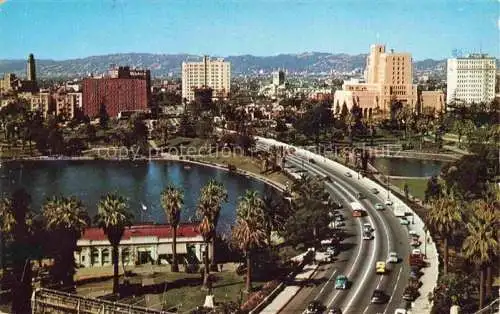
pixel 52 301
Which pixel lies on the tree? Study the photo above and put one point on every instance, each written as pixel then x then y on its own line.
pixel 113 216
pixel 66 219
pixel 15 221
pixel 275 213
pixel 344 112
pixel 479 247
pixel 433 190
pixel 213 195
pixel 172 200
pixel 249 230
pixel 444 216
pixel 103 116
pixel 463 126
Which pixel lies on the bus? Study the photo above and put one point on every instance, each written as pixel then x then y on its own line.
pixel 357 209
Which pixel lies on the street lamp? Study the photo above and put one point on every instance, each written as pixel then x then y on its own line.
pixel 425 241
pixel 388 190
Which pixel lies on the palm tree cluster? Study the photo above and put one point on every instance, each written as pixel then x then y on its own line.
pixel 478 222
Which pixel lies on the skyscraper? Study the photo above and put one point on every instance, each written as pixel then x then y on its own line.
pixel 31 69
pixel 278 78
pixel 215 74
pixel 471 79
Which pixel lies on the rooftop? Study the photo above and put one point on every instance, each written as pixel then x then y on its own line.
pixel 150 230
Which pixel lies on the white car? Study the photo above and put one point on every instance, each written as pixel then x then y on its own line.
pixel 379 206
pixel 393 257
pixel 388 203
pixel 404 221
pixel 367 228
pixel 348 174
pixel 401 311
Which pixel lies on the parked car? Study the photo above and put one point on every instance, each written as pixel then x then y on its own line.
pixel 404 221
pixel 348 174
pixel 360 196
pixel 315 307
pixel 341 282
pixel 374 191
pixel 379 297
pixel 410 294
pixel 389 203
pixel 379 206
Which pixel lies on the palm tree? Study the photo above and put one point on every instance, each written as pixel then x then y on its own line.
pixel 172 200
pixel 444 216
pixel 113 216
pixel 249 231
pixel 15 222
pixel 212 196
pixel 479 247
pixel 275 215
pixel 487 212
pixel 66 219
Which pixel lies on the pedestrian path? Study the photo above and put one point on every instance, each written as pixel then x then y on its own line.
pixel 282 299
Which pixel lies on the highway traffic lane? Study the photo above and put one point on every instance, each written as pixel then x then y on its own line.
pixel 343 260
pixel 396 281
pixel 362 280
pixel 398 276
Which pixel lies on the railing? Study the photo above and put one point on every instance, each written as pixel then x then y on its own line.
pixel 52 301
pixel 490 308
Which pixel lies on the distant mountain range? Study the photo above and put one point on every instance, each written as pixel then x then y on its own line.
pixel 162 65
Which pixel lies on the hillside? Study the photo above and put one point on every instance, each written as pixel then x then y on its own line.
pixel 162 65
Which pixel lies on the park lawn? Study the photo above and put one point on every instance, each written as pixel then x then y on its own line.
pixel 247 164
pixel 416 187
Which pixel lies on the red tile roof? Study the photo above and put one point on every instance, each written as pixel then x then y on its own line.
pixel 160 231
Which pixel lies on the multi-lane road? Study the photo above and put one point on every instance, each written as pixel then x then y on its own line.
pixel 358 257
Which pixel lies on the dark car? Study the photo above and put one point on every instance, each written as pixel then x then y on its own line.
pixel 379 297
pixel 410 294
pixel 334 310
pixel 315 307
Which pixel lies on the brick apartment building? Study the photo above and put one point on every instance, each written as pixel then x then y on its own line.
pixel 122 89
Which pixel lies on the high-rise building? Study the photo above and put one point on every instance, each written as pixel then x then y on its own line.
pixel 31 69
pixel 122 90
pixel 278 78
pixel 208 73
pixel 388 77
pixel 471 79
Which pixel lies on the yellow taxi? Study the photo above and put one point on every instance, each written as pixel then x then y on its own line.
pixel 380 267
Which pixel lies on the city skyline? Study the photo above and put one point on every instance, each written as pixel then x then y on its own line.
pixel 261 28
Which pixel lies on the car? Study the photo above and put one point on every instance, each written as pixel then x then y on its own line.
pixel 314 307
pixel 360 196
pixel 312 161
pixel 341 282
pixel 416 252
pixel 339 223
pixel 374 191
pixel 367 227
pixel 393 257
pixel 410 294
pixel 379 206
pixel 404 221
pixel 339 217
pixel 332 250
pixel 334 310
pixel 367 236
pixel 348 174
pixel 379 297
pixel 400 311
pixel 388 203
pixel 380 267
pixel 415 242
pixel 413 234
pixel 337 205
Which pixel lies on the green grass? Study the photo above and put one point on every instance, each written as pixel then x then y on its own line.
pixel 248 164
pixel 416 187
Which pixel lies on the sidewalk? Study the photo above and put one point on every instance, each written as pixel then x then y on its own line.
pixel 282 299
pixel 430 276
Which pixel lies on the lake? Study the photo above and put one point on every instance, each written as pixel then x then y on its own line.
pixel 408 167
pixel 140 182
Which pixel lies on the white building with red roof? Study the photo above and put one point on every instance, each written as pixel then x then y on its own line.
pixel 141 244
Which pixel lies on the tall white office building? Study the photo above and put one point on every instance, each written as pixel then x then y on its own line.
pixel 471 79
pixel 212 73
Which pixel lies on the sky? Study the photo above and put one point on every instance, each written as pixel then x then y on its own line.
pixel 67 29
